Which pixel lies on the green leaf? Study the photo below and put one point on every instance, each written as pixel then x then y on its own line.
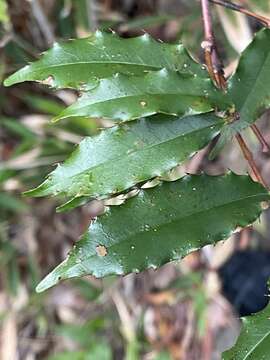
pixel 144 22
pixel 163 356
pixel 17 128
pixel 249 86
pixel 126 98
pixel 71 355
pixel 101 351
pixel 83 334
pixel 162 224
pixel 253 342
pixel 4 18
pixel 125 155
pixel 79 63
pixel 10 203
pixel 40 103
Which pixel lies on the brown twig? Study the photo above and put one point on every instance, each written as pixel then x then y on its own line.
pixel 232 6
pixel 215 69
pixel 212 61
pixel 249 157
pixel 259 135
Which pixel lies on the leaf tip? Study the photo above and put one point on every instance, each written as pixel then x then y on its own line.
pixel 56 119
pixel 9 81
pixel 41 190
pixel 28 193
pixel 49 281
pixel 18 77
pixel 61 116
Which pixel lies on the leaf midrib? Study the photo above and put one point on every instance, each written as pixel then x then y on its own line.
pixel 152 112
pixel 183 218
pixel 256 345
pixel 41 68
pixel 90 170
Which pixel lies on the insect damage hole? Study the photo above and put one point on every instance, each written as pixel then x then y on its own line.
pixel 101 250
pixel 48 81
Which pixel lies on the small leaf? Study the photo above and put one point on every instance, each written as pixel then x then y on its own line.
pixel 122 156
pixel 253 342
pixel 79 63
pixel 126 98
pixel 162 224
pixel 249 87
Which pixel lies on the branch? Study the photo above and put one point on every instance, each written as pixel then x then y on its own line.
pixel 249 157
pixel 232 6
pixel 215 69
pixel 213 63
pixel 259 135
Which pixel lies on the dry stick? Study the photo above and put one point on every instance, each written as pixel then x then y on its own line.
pixel 215 69
pixel 232 6
pixel 249 157
pixel 259 135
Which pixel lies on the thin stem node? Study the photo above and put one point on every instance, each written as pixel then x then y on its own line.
pixel 212 61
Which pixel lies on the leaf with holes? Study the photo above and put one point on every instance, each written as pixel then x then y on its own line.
pixel 126 98
pixel 125 155
pixel 162 224
pixel 79 63
pixel 253 342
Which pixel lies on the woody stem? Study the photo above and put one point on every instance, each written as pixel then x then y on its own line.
pixel 249 157
pixel 212 61
pixel 215 69
pixel 259 136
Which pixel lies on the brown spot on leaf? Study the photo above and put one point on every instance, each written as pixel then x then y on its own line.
pixel 101 250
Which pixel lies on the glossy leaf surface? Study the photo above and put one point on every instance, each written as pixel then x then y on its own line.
pixel 254 339
pixel 79 63
pixel 249 87
pixel 162 224
pixel 126 98
pixel 125 155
